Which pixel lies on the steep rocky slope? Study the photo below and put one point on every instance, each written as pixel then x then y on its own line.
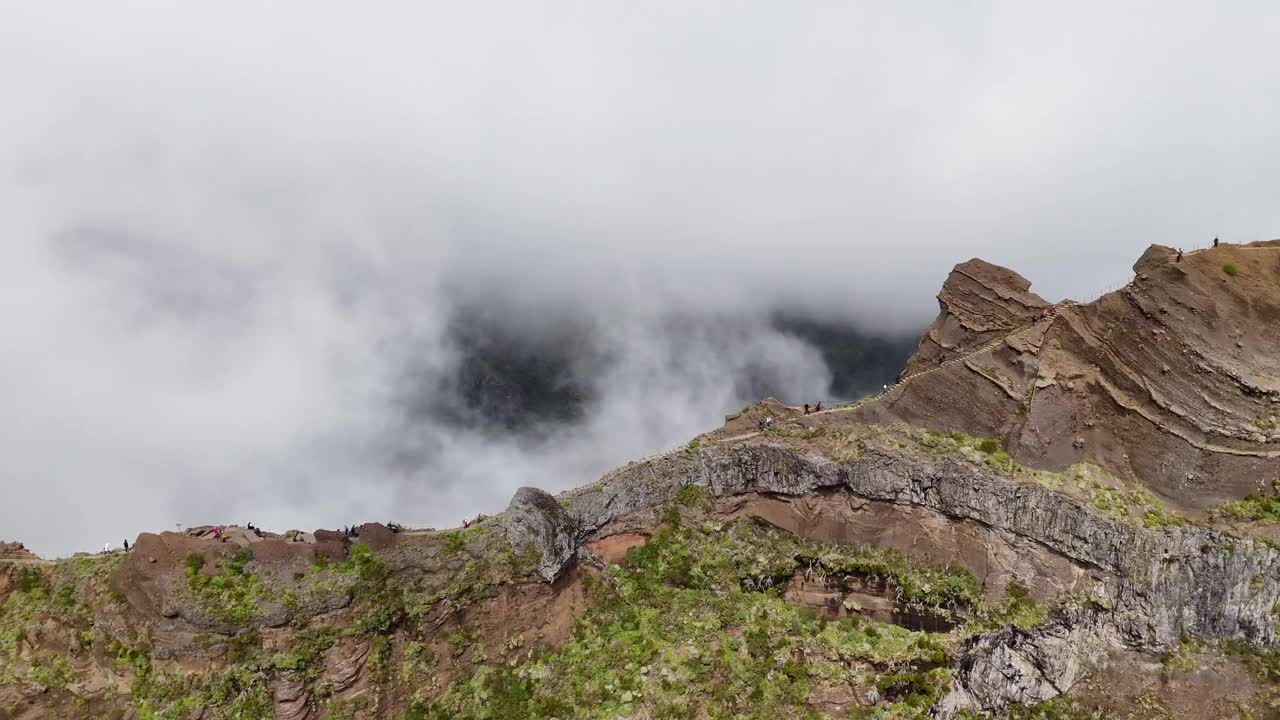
pixel 1022 530
pixel 1173 380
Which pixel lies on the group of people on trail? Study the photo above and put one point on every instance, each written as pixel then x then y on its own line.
pixel 1049 313
pixel 816 408
pixel 350 531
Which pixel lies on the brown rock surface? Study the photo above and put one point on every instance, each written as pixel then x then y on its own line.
pixel 1173 380
pixel 979 302
pixel 377 536
pixel 15 551
pixel 291 700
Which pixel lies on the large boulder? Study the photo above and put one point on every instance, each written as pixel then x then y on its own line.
pixel 535 518
pixel 377 536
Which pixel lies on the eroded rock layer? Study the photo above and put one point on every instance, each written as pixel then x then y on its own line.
pixel 1173 380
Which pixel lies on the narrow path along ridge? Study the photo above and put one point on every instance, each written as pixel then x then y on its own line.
pixel 838 408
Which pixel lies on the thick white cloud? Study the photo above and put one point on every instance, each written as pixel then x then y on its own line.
pixel 230 230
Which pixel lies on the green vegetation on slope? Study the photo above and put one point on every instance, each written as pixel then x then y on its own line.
pixel 1258 506
pixel 64 593
pixel 694 624
pixel 239 691
pixel 231 595
pixel 382 605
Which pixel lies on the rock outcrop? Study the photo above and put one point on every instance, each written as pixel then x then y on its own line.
pixel 1016 667
pixel 1158 585
pixel 979 302
pixel 536 522
pixel 15 551
pixel 1174 380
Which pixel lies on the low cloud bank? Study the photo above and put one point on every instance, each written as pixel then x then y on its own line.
pixel 307 266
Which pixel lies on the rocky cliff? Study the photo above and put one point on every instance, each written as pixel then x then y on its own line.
pixel 1054 515
pixel 1174 380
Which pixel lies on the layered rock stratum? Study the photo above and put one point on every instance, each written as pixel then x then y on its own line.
pixel 1061 510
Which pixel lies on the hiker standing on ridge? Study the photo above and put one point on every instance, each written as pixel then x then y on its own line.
pixel 1215 242
pixel 819 407
pixel 126 545
pixel 1179 255
pixel 806 408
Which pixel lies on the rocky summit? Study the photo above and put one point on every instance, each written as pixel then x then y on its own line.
pixel 1061 510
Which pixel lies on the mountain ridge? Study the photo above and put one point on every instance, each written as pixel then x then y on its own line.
pixel 1037 503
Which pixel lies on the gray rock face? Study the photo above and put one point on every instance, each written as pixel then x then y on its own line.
pixel 1013 666
pixel 1161 585
pixel 536 518
pixel 1153 587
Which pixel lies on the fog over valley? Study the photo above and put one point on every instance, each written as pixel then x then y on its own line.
pixel 307 265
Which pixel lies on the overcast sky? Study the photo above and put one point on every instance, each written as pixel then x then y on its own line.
pixel 233 232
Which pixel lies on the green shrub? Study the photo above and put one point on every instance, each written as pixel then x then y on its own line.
pixel 454 542
pixel 692 495
pixel 29 580
pixel 989 447
pixel 1157 518
pixel 1016 608
pixel 238 692
pixel 52 673
pixel 1230 269
pixel 1260 505
pixel 1183 659
pixel 231 595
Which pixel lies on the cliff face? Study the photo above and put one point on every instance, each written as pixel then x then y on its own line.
pixel 1019 525
pixel 1173 380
